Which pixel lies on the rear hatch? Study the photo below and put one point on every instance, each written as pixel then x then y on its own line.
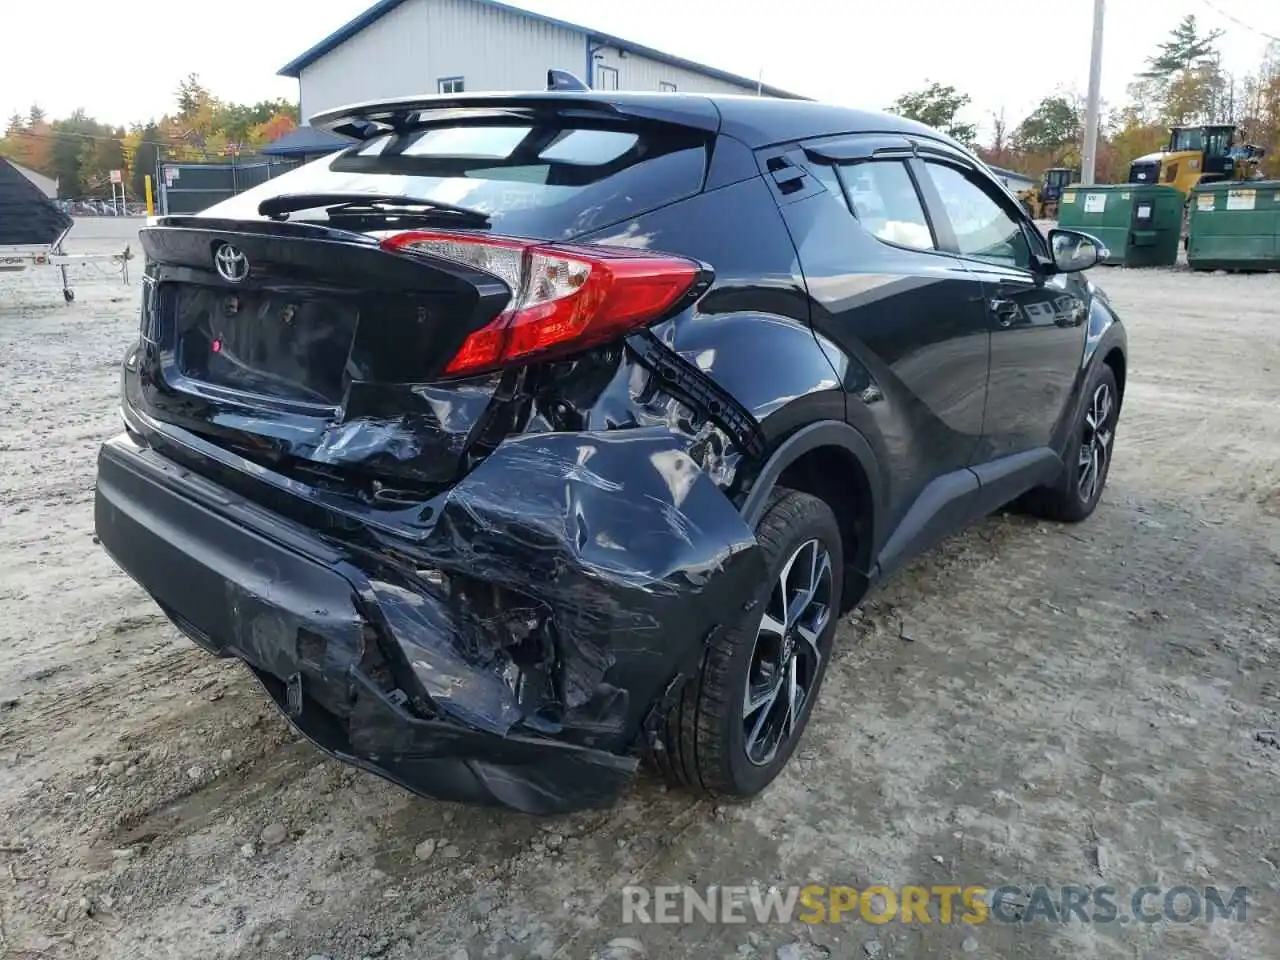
pixel 333 322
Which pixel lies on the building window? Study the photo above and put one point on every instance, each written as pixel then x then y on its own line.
pixel 450 85
pixel 666 87
pixel 606 78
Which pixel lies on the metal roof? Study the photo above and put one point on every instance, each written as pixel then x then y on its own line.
pixel 304 140
pixel 380 9
pixel 1002 172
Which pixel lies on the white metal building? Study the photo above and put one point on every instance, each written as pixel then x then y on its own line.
pixel 400 48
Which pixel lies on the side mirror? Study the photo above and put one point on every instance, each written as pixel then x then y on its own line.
pixel 1074 251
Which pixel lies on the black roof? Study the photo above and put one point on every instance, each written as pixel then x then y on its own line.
pixel 756 121
pixel 27 216
pixel 301 141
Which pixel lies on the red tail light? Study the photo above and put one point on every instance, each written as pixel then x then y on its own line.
pixel 563 296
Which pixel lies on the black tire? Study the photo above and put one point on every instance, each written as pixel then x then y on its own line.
pixel 703 743
pixel 1075 496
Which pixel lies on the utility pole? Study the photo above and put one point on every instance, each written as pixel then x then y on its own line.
pixel 1093 107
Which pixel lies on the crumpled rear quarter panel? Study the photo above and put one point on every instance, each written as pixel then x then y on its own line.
pixel 635 552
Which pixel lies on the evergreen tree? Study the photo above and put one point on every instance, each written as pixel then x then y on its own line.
pixel 1185 49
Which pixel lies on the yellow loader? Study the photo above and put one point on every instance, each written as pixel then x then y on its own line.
pixel 1199 155
pixel 1041 201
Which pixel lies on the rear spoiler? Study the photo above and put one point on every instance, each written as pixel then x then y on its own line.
pixel 363 121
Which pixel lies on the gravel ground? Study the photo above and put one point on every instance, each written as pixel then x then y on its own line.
pixel 1028 704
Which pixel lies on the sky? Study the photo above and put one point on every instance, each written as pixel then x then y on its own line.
pixel 854 52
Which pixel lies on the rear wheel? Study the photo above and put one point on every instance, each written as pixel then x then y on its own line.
pixel 738 722
pixel 1088 458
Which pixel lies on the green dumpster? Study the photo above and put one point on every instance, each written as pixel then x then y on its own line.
pixel 1140 224
pixel 1235 225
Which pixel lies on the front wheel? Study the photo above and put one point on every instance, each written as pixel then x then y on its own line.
pixel 736 725
pixel 1088 457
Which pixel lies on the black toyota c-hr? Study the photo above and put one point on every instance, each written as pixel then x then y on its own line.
pixel 533 435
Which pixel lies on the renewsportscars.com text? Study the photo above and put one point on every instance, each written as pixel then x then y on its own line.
pixel 942 903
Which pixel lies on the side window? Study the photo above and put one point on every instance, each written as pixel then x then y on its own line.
pixel 883 197
pixel 983 229
pixel 826 175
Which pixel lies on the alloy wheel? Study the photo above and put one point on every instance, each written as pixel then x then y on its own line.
pixel 1095 444
pixel 786 660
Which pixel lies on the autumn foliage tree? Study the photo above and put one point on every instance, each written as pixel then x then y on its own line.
pixel 80 152
pixel 1184 84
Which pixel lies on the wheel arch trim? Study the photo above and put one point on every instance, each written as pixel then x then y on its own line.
pixel 823 433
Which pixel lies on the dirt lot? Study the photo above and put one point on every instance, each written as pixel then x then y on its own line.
pixel 1090 705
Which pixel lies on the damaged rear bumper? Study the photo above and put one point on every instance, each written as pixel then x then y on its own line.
pixel 381 671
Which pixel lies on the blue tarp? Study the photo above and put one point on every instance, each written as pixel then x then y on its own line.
pixel 302 141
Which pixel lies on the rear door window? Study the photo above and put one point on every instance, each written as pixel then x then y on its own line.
pixel 551 178
pixel 882 195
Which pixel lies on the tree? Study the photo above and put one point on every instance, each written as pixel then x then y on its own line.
pixel 938 106
pixel 1193 96
pixel 81 152
pixel 192 97
pixel 1260 105
pixel 72 137
pixel 239 119
pixel 1185 49
pixel 1130 136
pixel 272 130
pixel 142 154
pixel 1000 153
pixel 1186 84
pixel 102 155
pixel 1052 125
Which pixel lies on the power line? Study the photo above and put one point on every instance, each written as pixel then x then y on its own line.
pixel 56 134
pixel 1238 22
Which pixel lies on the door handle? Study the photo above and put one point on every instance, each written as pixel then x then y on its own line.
pixel 1004 311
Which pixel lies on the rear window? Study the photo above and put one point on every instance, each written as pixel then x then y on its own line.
pixel 548 179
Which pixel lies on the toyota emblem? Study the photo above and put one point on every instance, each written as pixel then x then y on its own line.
pixel 232 265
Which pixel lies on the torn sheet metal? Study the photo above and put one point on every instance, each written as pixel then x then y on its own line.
pixel 634 550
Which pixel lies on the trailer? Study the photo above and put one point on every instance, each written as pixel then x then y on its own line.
pixel 33 231
pixel 16 259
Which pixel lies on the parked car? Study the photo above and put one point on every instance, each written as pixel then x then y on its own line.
pixel 537 434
